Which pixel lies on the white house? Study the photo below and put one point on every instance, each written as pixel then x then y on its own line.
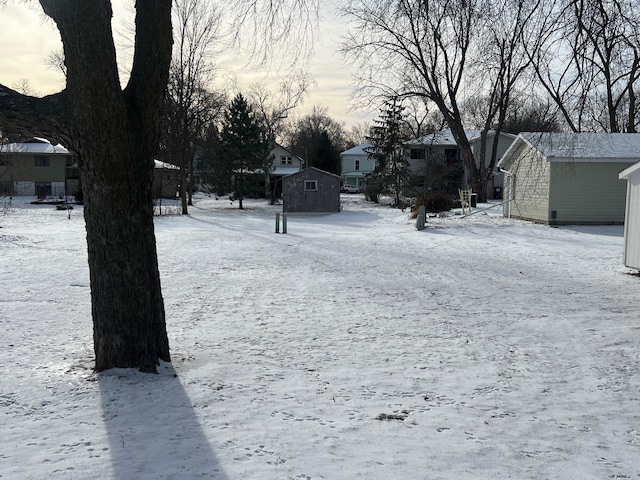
pixel 632 216
pixel 568 178
pixel 356 164
pixel 284 163
pixel 435 159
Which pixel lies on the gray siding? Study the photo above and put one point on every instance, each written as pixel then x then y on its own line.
pixel 632 223
pixel 587 193
pixel 530 200
pixel 325 200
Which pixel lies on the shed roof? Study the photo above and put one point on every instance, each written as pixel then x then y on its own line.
pixel 627 172
pixel 306 170
pixel 580 147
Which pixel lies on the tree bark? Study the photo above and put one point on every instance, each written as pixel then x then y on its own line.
pixel 113 132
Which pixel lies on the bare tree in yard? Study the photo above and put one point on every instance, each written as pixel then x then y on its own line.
pixel 416 48
pixel 303 135
pixel 500 68
pixel 587 59
pixel 413 48
pixel 272 110
pixel 189 104
pixel 113 131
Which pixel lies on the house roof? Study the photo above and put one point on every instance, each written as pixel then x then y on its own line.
pixel 579 147
pixel 442 138
pixel 286 150
pixel 627 172
pixel 358 150
pixel 36 146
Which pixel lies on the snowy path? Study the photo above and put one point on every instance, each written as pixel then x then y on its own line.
pixel 352 347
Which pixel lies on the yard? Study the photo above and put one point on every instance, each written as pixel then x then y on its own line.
pixel 352 347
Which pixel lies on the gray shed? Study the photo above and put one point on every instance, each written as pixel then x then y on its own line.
pixel 311 191
pixel 568 178
pixel 632 216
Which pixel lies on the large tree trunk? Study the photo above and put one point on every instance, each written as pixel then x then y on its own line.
pixel 113 133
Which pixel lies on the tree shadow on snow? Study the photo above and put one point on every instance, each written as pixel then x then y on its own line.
pixel 152 428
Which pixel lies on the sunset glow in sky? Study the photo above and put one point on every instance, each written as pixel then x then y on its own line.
pixel 27 37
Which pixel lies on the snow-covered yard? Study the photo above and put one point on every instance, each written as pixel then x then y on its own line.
pixel 353 347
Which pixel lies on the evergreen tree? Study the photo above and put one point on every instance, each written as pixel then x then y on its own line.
pixel 391 173
pixel 243 144
pixel 324 155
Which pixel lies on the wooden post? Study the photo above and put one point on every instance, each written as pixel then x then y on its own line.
pixel 277 223
pixel 284 223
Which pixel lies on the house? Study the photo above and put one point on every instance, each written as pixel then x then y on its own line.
pixel 311 191
pixel 356 164
pixel 38 168
pixel 434 161
pixel 632 216
pixel 166 180
pixel 568 178
pixel 284 163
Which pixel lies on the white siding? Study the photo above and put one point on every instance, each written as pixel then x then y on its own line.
pixel 57 189
pixel 632 223
pixel 587 193
pixel 25 188
pixel 530 200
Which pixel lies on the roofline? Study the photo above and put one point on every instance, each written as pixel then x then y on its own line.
pixel 627 172
pixel 289 151
pixel 518 139
pixel 317 170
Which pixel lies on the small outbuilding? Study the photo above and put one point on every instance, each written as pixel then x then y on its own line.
pixel 166 180
pixel 568 178
pixel 311 191
pixel 632 216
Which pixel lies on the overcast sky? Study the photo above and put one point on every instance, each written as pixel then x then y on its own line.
pixel 27 37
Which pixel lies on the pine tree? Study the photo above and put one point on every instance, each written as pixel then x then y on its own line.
pixel 392 168
pixel 243 144
pixel 325 156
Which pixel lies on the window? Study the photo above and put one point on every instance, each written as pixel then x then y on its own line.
pixel 417 154
pixel 451 155
pixel 285 160
pixel 41 161
pixel 357 164
pixel 310 185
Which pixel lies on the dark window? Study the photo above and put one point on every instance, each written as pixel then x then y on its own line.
pixel 41 161
pixel 310 185
pixel 417 154
pixel 451 155
pixel 357 164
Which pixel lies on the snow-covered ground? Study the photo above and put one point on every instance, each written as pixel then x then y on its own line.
pixel 353 347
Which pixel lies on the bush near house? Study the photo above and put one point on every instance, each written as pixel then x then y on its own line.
pixel 437 202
